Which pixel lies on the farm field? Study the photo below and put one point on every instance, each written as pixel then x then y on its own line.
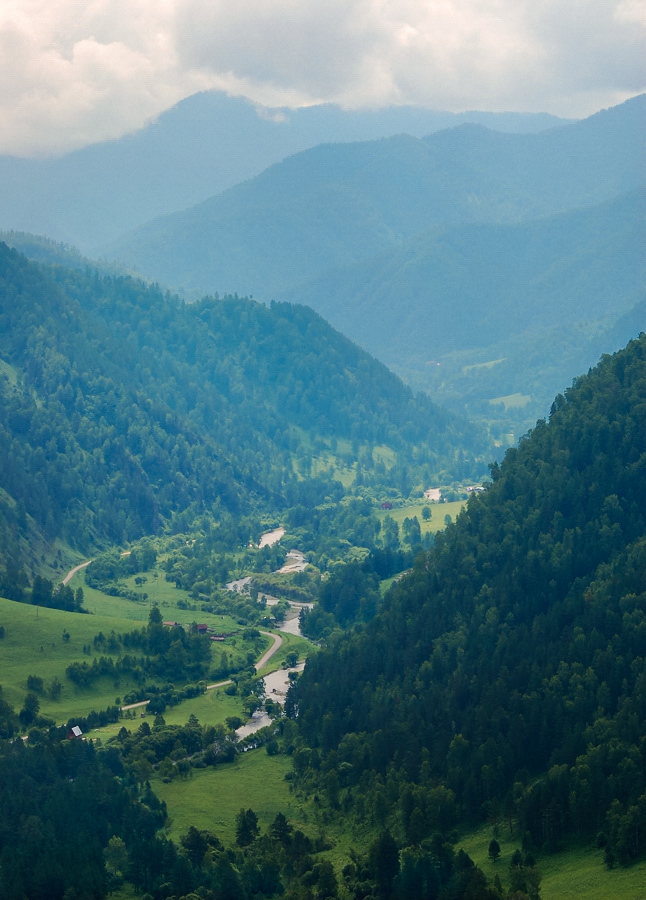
pixel 573 874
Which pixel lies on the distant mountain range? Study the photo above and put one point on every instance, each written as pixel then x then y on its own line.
pixel 203 145
pixel 486 266
pixel 485 282
pixel 338 204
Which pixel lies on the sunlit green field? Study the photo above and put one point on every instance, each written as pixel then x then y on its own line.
pixel 439 511
pixel 574 874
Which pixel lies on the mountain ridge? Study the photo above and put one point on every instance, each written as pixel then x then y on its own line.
pixel 335 204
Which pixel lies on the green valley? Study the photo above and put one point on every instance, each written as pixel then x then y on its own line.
pixel 275 622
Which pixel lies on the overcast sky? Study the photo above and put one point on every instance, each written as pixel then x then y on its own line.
pixel 76 71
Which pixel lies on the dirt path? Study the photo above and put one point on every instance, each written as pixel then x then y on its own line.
pixel 262 662
pixel 264 659
pixel 72 572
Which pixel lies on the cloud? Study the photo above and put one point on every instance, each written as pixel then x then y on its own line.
pixel 74 72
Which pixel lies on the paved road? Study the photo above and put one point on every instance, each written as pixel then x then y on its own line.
pixel 72 572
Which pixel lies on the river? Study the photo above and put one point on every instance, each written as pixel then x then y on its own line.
pixel 276 685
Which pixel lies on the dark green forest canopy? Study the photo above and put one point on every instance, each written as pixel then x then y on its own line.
pixel 123 407
pixel 509 665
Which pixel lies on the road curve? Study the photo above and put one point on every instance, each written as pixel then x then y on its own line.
pixel 262 662
pixel 72 572
pixel 264 659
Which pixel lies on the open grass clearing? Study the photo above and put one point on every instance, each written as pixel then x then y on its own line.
pixel 512 401
pixel 577 873
pixel 212 798
pixel 34 645
pixel 212 708
pixel 438 513
pixel 163 593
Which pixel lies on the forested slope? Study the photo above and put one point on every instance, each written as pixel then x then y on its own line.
pixel 122 407
pixel 470 286
pixel 505 676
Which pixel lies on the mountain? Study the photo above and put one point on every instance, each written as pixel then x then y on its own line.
pixel 122 408
pixel 337 204
pixel 483 282
pixel 505 677
pixel 203 145
pixel 475 312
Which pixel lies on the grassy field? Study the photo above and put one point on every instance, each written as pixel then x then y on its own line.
pixel 212 708
pixel 34 645
pixel 512 401
pixel 574 874
pixel 438 512
pixel 159 591
pixel 212 798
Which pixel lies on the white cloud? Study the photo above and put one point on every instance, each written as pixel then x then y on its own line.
pixel 74 72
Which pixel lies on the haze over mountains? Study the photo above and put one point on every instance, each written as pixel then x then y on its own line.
pixel 511 259
pixel 203 145
pixel 495 247
pixel 121 408
pixel 339 203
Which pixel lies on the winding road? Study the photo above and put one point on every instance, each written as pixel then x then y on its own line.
pixel 262 662
pixel 72 572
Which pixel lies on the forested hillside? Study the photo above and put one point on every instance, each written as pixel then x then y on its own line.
pixel 339 203
pixel 123 407
pixel 505 677
pixel 504 309
pixel 473 286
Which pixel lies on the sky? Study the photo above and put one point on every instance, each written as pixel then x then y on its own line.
pixel 73 72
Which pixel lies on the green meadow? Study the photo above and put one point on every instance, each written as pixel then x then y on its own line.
pixel 211 708
pixel 34 645
pixel 212 797
pixel 577 873
pixel 438 513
